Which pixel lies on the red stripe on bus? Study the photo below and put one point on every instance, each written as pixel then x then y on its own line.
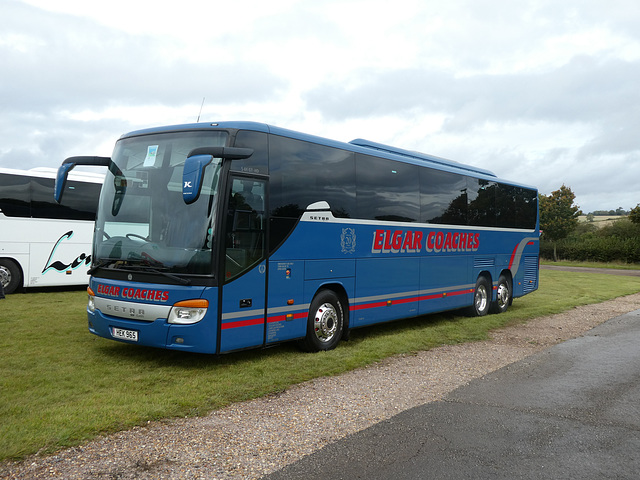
pixel 368 305
pixel 260 321
pixel 364 306
pixel 513 256
pixel 283 318
pixel 243 323
pixel 434 296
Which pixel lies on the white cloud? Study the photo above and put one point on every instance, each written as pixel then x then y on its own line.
pixel 541 92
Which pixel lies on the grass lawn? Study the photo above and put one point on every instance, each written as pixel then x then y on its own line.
pixel 61 386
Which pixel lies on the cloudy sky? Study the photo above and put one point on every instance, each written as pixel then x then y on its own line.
pixel 542 92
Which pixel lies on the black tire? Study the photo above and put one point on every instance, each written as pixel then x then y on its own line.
pixel 503 296
pixel 481 298
pixel 10 275
pixel 325 323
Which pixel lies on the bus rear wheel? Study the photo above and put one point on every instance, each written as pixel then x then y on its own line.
pixel 481 298
pixel 325 322
pixel 503 296
pixel 10 275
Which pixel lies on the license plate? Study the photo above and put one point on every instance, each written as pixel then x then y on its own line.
pixel 124 334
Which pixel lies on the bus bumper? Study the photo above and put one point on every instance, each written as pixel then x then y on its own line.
pixel 197 338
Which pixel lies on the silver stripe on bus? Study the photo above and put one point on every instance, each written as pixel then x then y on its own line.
pixel 355 301
pixel 515 265
pixel 144 312
pixel 325 216
pixel 417 293
pixel 258 312
pixel 288 308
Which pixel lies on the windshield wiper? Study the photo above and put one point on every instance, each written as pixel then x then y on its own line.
pixel 155 266
pixel 145 265
pixel 148 268
pixel 102 263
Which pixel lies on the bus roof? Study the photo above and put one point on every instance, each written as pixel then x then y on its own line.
pixel 432 159
pixel 357 145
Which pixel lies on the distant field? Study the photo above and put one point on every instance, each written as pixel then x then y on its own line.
pixel 602 220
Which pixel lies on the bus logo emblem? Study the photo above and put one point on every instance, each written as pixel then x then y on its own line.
pixel 348 240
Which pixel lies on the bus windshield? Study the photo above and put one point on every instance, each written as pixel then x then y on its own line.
pixel 142 221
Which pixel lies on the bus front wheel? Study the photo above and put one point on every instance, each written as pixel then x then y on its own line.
pixel 10 275
pixel 325 322
pixel 481 298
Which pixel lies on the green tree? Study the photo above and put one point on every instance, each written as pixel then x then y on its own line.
pixel 558 215
pixel 634 214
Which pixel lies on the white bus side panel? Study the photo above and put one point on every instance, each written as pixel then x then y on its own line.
pixel 50 252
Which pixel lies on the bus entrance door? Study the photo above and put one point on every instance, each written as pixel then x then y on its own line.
pixel 244 287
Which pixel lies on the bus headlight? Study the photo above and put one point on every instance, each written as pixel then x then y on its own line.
pixel 91 300
pixel 188 312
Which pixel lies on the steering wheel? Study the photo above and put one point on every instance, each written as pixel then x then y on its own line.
pixel 131 236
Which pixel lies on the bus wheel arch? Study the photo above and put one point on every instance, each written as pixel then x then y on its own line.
pixel 10 275
pixel 504 293
pixel 327 320
pixel 481 296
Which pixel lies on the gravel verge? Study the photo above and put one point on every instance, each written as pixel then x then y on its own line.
pixel 251 439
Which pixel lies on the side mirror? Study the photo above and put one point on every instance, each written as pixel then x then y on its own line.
pixel 67 166
pixel 61 180
pixel 197 161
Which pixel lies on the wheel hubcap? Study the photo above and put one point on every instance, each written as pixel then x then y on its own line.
pixel 481 298
pixel 5 276
pixel 503 295
pixel 325 322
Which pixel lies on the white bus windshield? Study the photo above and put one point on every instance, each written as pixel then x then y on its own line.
pixel 142 220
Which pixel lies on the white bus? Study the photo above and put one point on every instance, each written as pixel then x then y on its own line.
pixel 43 243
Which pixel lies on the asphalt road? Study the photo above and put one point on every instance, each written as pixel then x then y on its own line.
pixel 570 412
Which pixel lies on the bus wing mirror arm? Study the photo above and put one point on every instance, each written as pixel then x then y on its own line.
pixel 67 166
pixel 196 162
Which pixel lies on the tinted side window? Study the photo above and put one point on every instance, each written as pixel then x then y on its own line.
pixel 443 197
pixel 505 206
pixel 481 195
pixel 258 162
pixel 42 203
pixel 79 201
pixel 526 208
pixel 517 207
pixel 14 195
pixel 82 199
pixel 303 173
pixel 387 190
pixel 245 226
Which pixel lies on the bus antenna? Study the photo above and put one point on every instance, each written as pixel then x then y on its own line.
pixel 201 105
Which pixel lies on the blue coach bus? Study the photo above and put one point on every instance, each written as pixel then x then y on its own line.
pixel 216 237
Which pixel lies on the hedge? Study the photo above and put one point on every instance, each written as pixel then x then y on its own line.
pixel 595 249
